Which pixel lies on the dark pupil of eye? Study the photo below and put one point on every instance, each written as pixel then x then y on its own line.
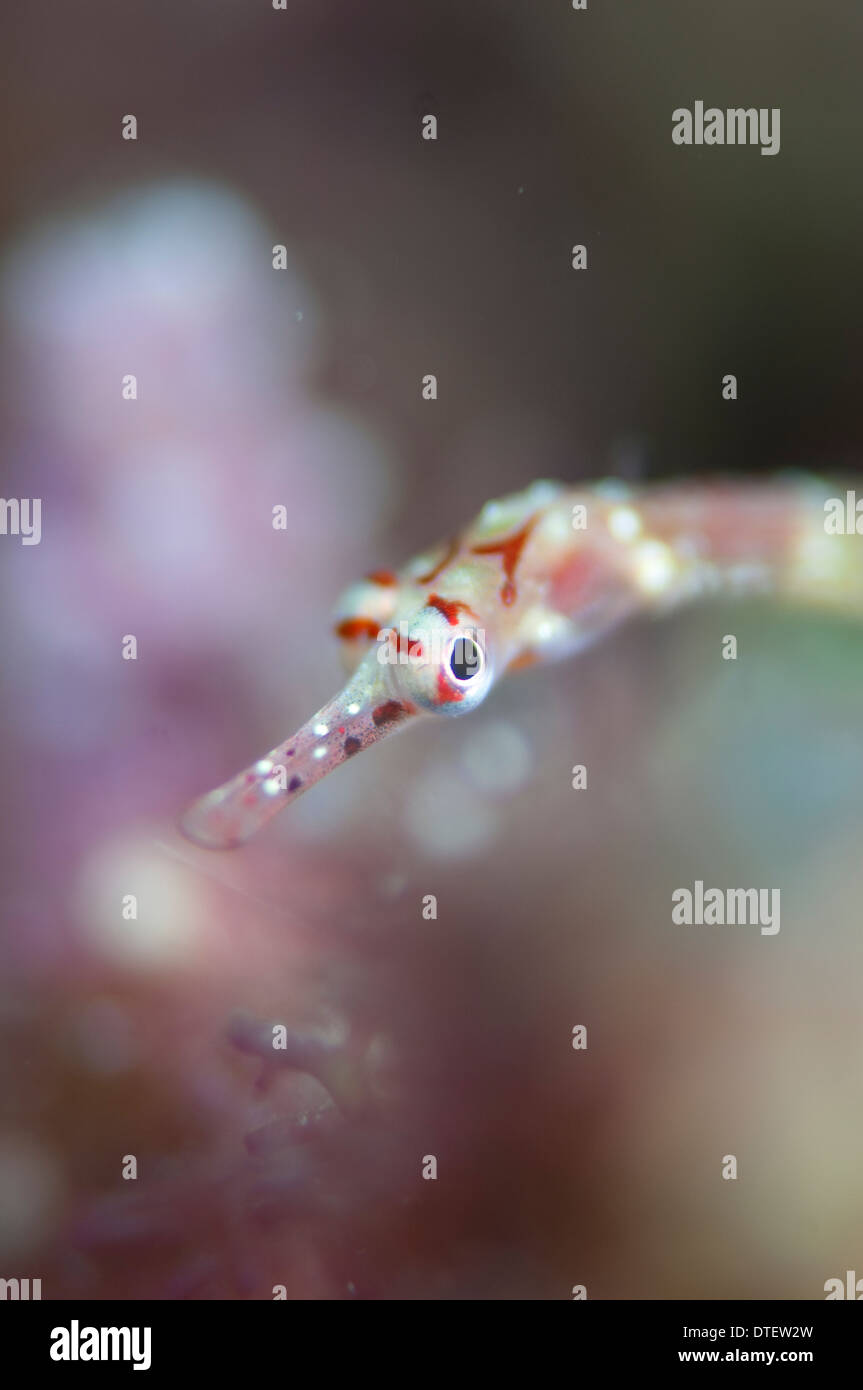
pixel 464 660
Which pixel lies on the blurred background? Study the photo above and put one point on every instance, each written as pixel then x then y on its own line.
pixel 147 1038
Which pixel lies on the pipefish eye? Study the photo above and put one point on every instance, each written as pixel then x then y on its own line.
pixel 465 658
pixel 442 666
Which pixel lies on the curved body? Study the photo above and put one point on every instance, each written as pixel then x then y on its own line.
pixel 536 577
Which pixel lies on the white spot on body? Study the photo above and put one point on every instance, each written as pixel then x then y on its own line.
pixel 321 730
pixel 624 523
pixel 542 628
pixel 505 514
pixel 555 528
pixel 490 516
pixel 543 492
pixel 655 566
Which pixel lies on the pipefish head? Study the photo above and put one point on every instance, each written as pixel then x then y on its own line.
pixel 437 662
pixel 441 658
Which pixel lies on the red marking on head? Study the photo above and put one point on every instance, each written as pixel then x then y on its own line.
pixel 510 553
pixel 385 578
pixel 450 608
pixel 452 547
pixel 351 628
pixel 447 694
pixel 402 644
pixel 389 712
